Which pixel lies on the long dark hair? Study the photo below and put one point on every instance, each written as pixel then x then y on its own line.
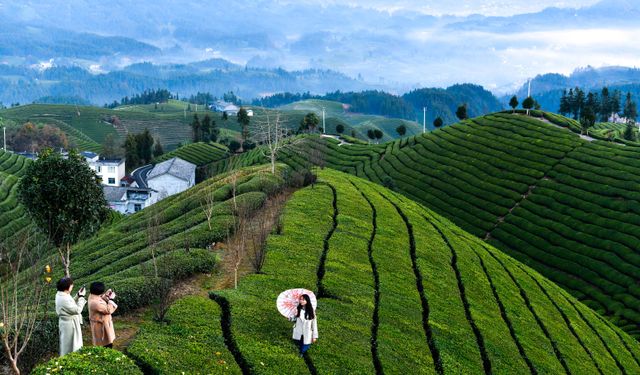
pixel 308 308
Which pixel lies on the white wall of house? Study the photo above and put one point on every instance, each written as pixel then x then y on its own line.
pixel 109 171
pixel 166 185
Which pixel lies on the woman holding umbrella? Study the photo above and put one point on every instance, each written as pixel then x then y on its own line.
pixel 305 331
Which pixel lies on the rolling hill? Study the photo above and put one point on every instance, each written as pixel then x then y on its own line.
pixel 561 204
pixel 13 217
pixel 399 288
pixel 336 112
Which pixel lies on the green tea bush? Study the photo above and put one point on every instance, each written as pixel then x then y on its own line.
pixel 90 360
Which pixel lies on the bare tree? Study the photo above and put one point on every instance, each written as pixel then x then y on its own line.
pixel 207 204
pixel 272 134
pixel 22 290
pixel 261 227
pixel 162 280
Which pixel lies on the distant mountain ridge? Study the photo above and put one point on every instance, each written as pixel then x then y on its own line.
pixel 547 88
pixel 26 85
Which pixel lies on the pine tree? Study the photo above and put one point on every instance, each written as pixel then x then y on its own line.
pixel 630 109
pixel 605 105
pixel 461 112
pixel 205 127
pixel 513 103
pixel 196 130
pixel 243 120
pixel 565 107
pixel 616 100
pixel 587 119
pixel 629 132
pixel 528 103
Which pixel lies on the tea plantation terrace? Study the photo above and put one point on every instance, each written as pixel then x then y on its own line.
pixel 565 206
pixel 400 287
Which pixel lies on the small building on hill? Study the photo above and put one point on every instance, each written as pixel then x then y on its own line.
pixel 127 200
pixel 171 177
pixel 110 171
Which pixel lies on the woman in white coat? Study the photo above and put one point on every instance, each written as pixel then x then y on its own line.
pixel 69 310
pixel 305 331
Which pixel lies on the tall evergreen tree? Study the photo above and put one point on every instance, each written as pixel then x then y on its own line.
pixel 578 103
pixel 605 105
pixel 565 107
pixel 629 132
pixel 593 102
pixel 587 119
pixel 144 146
pixel 513 103
pixel 205 127
pixel 616 101
pixel 528 103
pixel 130 147
pixel 196 129
pixel 461 112
pixel 243 120
pixel 630 109
pixel 214 132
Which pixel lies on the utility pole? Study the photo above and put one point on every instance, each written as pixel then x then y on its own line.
pixel 324 128
pixel 424 119
pixel 529 91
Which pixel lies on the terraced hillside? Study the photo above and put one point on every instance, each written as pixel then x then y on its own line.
pixel 561 204
pixel 401 288
pixel 200 153
pixel 13 217
pixel 121 253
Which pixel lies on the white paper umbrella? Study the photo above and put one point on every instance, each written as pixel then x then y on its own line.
pixel 288 300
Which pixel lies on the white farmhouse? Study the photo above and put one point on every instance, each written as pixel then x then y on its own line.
pixel 110 171
pixel 127 200
pixel 171 177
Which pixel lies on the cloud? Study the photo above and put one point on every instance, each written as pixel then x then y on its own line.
pixel 459 8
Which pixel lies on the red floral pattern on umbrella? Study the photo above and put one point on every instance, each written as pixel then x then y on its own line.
pixel 288 300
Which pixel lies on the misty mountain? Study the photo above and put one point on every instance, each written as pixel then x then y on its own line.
pixel 25 85
pixel 399 50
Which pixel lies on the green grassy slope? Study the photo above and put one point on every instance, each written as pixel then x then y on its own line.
pixel 13 217
pixel 563 205
pixel 197 153
pixel 336 113
pixel 402 288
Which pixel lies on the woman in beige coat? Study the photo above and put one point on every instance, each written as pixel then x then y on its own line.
pixel 69 310
pixel 101 306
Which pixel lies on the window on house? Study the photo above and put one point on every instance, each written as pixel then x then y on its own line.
pixel 137 207
pixel 98 169
pixel 111 169
pixel 112 181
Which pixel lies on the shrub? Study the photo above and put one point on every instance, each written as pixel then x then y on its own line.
pixel 90 360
